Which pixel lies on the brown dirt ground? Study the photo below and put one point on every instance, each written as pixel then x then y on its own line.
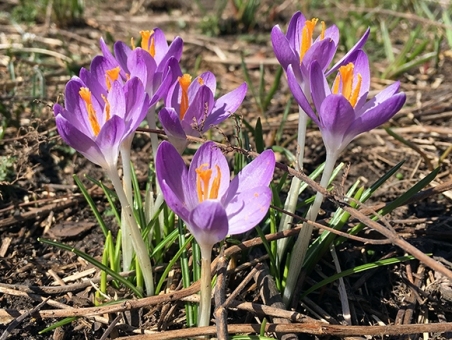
pixel 41 200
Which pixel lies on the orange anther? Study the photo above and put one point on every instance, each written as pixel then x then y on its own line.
pixel 85 94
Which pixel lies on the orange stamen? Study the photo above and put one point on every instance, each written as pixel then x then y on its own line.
pixel 202 182
pixel 322 33
pixel 148 42
pixel 345 76
pixel 346 73
pixel 107 107
pixel 354 97
pixel 306 37
pixel 184 83
pixel 86 96
pixel 200 81
pixel 132 43
pixel 111 75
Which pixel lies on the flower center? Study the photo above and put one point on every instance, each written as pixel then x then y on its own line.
pixel 345 78
pixel 111 76
pixel 203 176
pixel 148 42
pixel 306 36
pixel 92 117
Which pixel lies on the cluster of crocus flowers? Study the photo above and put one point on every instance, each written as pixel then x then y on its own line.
pixel 191 108
pixel 104 106
pixel 209 203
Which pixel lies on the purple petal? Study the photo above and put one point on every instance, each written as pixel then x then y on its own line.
pixel 377 115
pixel 198 111
pixel 117 101
pixel 256 174
pixel 208 223
pixel 161 45
pixel 322 51
pixel 362 67
pixel 163 81
pixel 300 96
pixel 283 50
pixel 171 124
pixel 336 116
pixel 143 66
pixel 294 32
pixel 205 79
pixel 319 85
pixel 79 141
pixel 209 156
pixel 225 106
pixel 75 111
pixel 172 177
pixel 382 96
pixel 175 49
pixel 122 52
pixel 109 139
pixel 106 52
pixel 137 103
pixel 173 96
pixel 248 208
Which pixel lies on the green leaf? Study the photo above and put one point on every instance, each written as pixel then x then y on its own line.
pixel 359 269
pixel 258 136
pixel 92 205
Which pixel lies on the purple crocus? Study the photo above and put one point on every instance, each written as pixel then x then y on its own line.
pixel 343 112
pixel 95 121
pixel 191 108
pixel 211 205
pixel 299 48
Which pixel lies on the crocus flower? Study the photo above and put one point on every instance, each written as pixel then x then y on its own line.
pixel 343 112
pixel 95 122
pixel 204 189
pixel 299 48
pixel 191 108
pixel 210 205
pixel 97 119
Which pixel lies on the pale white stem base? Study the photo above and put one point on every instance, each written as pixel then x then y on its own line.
pixel 205 303
pixel 290 204
pixel 126 241
pixel 302 243
pixel 134 232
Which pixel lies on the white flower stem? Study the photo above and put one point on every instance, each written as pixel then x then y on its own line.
pixel 301 244
pixel 127 247
pixel 134 232
pixel 302 123
pixel 290 204
pixel 205 303
pixel 154 144
pixel 154 140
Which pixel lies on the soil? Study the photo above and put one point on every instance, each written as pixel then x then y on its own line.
pixel 39 199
